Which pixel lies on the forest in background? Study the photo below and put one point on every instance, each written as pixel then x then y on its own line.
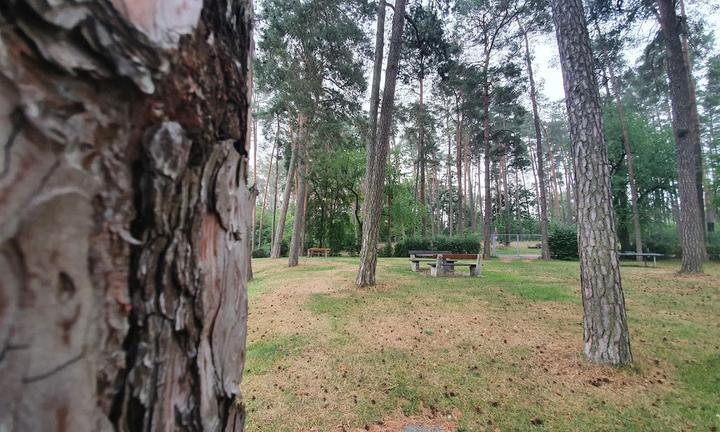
pixel 311 86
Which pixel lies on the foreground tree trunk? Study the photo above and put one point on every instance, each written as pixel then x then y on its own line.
pixel 542 200
pixel 690 226
pixel 124 214
pixel 606 335
pixel 280 226
pixel 375 174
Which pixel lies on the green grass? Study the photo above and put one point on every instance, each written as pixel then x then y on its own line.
pixel 491 352
pixel 263 355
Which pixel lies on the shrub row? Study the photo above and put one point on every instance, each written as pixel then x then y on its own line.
pixel 455 244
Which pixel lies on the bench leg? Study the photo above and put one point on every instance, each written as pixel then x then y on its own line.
pixel 433 271
pixel 473 271
pixel 414 266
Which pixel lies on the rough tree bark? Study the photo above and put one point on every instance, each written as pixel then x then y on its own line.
pixel 296 240
pixel 542 199
pixel 375 174
pixel 280 226
pixel 606 335
pixel 690 226
pixel 124 214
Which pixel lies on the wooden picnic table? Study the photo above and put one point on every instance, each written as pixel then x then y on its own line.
pixel 445 264
pixel 643 255
pixel 317 251
pixel 418 256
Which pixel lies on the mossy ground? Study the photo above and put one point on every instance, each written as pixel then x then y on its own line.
pixel 500 352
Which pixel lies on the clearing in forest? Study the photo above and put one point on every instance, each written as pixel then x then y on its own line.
pixel 500 352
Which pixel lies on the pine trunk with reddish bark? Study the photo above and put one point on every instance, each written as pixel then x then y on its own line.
pixel 124 213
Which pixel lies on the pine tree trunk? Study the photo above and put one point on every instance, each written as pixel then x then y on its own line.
pixel 449 173
pixel 421 160
pixel 275 191
pixel 375 175
pixel 267 185
pixel 375 90
pixel 695 119
pixel 280 226
pixel 606 335
pixel 296 240
pixel 458 166
pixel 487 218
pixel 542 200
pixel 690 226
pixel 125 214
pixel 557 192
pixel 629 161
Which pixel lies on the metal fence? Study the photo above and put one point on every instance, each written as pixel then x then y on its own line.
pixel 516 245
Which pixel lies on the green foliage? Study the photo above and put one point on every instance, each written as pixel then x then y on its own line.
pixel 563 242
pixel 713 245
pixel 455 244
pixel 259 253
pixel 663 239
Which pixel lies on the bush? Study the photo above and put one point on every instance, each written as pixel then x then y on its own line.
pixel 563 242
pixel 469 244
pixel 259 253
pixel 663 240
pixel 713 245
pixel 414 243
pixel 386 251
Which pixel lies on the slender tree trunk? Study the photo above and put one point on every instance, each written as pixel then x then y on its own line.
pixel 607 339
pixel 375 90
pixel 297 238
pixel 628 159
pixel 275 193
pixel 375 176
pixel 557 192
pixel 468 178
pixel 542 200
pixel 280 227
pixel 458 166
pixel 421 160
pixel 487 219
pixel 449 174
pixel 123 258
pixel 690 226
pixel 267 185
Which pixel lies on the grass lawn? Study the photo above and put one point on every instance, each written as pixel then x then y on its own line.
pixel 500 352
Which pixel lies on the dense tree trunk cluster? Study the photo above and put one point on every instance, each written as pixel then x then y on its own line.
pixel 125 214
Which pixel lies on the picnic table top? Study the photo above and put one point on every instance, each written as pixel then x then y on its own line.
pixel 641 254
pixel 427 252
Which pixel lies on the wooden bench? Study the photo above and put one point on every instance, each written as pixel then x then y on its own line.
pixel 444 265
pixel 316 251
pixel 418 256
pixel 643 255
